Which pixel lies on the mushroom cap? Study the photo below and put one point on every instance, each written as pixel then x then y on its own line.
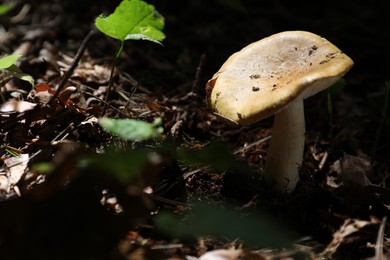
pixel 265 76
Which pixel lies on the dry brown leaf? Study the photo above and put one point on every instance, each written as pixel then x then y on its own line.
pixel 221 254
pixel 16 167
pixel 41 93
pixel 350 168
pixel 349 227
pixel 89 73
pixel 3 183
pixel 16 106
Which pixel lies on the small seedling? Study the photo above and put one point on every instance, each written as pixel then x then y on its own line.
pixel 9 70
pixel 131 20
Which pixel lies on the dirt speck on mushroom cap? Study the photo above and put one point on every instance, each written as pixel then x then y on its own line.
pixel 266 75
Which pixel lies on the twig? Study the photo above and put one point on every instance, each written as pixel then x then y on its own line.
pixel 252 144
pixel 117 55
pixel 168 201
pixel 107 104
pixel 40 150
pixel 198 71
pixel 63 133
pixel 379 240
pixel 73 66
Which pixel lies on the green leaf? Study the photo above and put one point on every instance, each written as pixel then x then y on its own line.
pixel 7 63
pixel 132 129
pixel 133 20
pixel 5 9
pixel 124 166
pixel 170 225
pixel 9 60
pixel 16 72
pixel 43 167
pixel 217 155
pixel 205 220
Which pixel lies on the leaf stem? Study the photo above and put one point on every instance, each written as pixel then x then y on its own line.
pixel 73 66
pixel 117 55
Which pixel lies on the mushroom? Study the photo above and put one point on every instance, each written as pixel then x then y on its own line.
pixel 272 77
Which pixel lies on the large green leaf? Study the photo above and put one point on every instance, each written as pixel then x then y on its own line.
pixel 255 230
pixel 132 129
pixel 133 20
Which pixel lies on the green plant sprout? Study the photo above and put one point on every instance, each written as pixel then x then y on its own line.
pixel 9 70
pixel 7 63
pixel 131 20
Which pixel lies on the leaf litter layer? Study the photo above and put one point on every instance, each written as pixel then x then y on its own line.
pixel 70 189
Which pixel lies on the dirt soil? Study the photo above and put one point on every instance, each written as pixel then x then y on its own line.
pixel 62 190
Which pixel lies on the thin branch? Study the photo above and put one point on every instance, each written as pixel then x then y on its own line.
pixel 117 55
pixel 198 72
pixel 73 66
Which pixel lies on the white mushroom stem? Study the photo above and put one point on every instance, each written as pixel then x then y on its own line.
pixel 285 154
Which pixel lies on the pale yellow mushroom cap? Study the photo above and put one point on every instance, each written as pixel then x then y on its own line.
pixel 265 76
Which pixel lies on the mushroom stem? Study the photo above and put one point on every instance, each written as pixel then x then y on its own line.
pixel 286 148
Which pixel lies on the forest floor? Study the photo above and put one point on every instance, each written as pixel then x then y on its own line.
pixel 63 186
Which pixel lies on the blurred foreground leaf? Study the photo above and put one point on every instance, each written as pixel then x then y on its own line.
pixel 132 129
pixel 254 230
pixel 124 166
pixel 217 155
pixel 5 9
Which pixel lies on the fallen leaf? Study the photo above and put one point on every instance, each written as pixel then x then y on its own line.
pixel 350 168
pixel 221 254
pixel 16 106
pixel 349 227
pixel 41 93
pixel 3 183
pixel 16 167
pixel 64 96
